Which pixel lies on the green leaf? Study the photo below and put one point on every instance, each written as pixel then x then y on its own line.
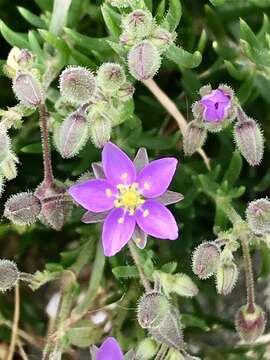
pixel 31 18
pixel 35 46
pixel 234 170
pixel 75 12
pixel 112 20
pixel 154 142
pixel 160 11
pixel 265 260
pixel 84 334
pixel 82 59
pixel 217 2
pixel 183 58
pixel 190 320
pixel 32 149
pixel 169 268
pixel 59 16
pixel 45 5
pixel 125 272
pixel 14 38
pixel 58 43
pixel 173 16
pixel 248 35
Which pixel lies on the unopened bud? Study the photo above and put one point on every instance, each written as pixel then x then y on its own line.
pixel 258 216
pixel 180 284
pixel 205 259
pixel 4 145
pixel 77 84
pixel 127 39
pixel 249 140
pixel 194 138
pixel 110 76
pixel 100 130
pixel 22 208
pixel 122 3
pixel 226 278
pixel 144 60
pixel 71 136
pixel 56 205
pixel 28 89
pixel 146 349
pixel 138 22
pixel 125 92
pixel 18 59
pixel 250 324
pixel 162 38
pixel 8 166
pixel 9 275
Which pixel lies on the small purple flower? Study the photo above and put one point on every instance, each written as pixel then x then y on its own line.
pixel 130 197
pixel 109 350
pixel 215 106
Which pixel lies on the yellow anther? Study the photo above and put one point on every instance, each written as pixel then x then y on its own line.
pixel 131 212
pixel 124 176
pixel 145 213
pixel 147 186
pixel 121 220
pixel 134 186
pixel 109 192
pixel 117 203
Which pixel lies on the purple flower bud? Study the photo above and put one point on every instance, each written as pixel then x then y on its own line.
pixel 250 323
pixel 125 92
pixel 56 205
pixel 8 166
pixel 138 23
pixel 194 137
pixel 162 38
pixel 249 140
pixel 205 260
pixel 258 216
pixel 226 278
pixel 71 136
pixel 28 89
pixel 22 208
pixel 9 275
pixel 77 84
pixel 100 130
pixel 144 60
pixel 110 76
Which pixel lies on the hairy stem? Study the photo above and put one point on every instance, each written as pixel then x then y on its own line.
pixel 15 323
pixel 134 254
pixel 172 109
pixel 47 163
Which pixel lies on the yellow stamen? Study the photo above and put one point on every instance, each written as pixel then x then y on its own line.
pixel 117 203
pixel 145 213
pixel 131 212
pixel 124 176
pixel 108 192
pixel 121 220
pixel 147 186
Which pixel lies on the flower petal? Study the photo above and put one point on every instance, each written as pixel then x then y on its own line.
pixel 139 237
pixel 155 178
pixel 95 195
pixel 117 166
pixel 92 217
pixel 170 197
pixel 141 159
pixel 156 220
pixel 110 350
pixel 98 170
pixel 117 231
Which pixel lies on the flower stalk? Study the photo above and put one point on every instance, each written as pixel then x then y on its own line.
pixel 133 251
pixel 15 325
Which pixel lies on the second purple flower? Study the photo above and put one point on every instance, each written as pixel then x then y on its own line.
pixel 130 197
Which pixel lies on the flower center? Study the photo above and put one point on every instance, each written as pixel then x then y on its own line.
pixel 129 197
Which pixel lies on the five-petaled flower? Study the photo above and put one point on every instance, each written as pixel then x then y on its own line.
pixel 216 105
pixel 109 350
pixel 130 197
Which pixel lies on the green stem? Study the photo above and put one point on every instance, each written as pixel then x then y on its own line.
pixel 134 253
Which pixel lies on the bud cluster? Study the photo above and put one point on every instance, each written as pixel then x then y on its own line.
pixel 100 100
pixel 215 111
pixel 145 42
pixel 160 317
pixel 208 259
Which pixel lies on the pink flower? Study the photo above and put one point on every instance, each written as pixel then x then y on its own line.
pixel 130 197
pixel 215 106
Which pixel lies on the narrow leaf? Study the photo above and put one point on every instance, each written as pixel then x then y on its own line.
pixel 31 18
pixel 13 38
pixel 183 58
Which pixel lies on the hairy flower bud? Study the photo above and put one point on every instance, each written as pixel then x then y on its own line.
pixel 180 284
pixel 77 84
pixel 4 145
pixel 56 205
pixel 125 92
pixel 8 166
pixel 250 324
pixel 28 89
pixel 71 136
pixel 226 278
pixel 205 259
pixel 162 38
pixel 100 130
pixel 249 140
pixel 194 137
pixel 22 208
pixel 258 216
pixel 143 60
pixel 110 76
pixel 138 22
pixel 18 59
pixel 9 274
pixel 146 349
